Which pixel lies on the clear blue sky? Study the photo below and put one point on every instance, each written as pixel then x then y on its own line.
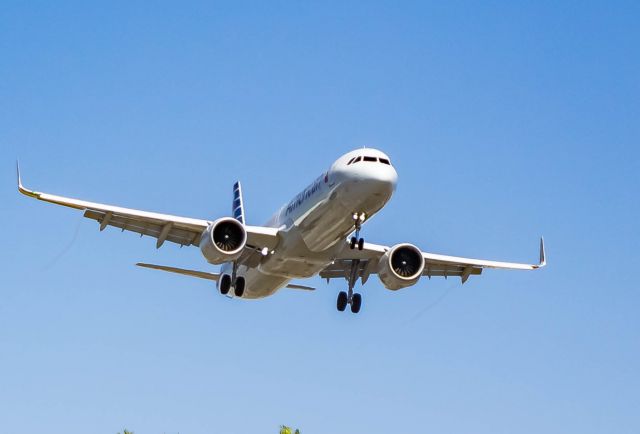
pixel 506 121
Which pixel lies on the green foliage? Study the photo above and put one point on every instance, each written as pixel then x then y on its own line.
pixel 287 430
pixel 126 431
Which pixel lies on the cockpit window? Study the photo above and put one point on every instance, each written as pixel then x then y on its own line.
pixel 357 159
pixel 385 161
pixel 351 161
pixel 373 159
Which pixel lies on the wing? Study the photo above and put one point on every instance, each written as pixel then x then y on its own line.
pixel 435 264
pixel 165 227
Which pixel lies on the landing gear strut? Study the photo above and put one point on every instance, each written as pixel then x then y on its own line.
pixel 358 219
pixel 351 298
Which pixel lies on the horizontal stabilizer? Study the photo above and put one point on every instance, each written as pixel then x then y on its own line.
pixel 302 287
pixel 192 273
pixel 206 275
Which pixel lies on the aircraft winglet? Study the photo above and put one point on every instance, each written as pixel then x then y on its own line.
pixel 18 175
pixel 21 187
pixel 543 256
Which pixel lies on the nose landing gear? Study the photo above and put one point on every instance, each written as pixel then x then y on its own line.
pixel 356 242
pixel 358 219
pixel 349 297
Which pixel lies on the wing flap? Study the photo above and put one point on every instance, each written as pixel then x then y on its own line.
pixel 152 228
pixel 438 270
pixel 190 223
pixel 342 268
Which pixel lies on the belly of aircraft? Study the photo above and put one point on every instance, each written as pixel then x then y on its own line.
pixel 260 285
pixel 307 247
pixel 331 220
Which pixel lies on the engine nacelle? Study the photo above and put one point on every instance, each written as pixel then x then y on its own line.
pixel 223 240
pixel 401 266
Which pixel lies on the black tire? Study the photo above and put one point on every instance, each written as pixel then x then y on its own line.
pixel 225 284
pixel 238 289
pixel 356 303
pixel 361 244
pixel 342 301
pixel 353 242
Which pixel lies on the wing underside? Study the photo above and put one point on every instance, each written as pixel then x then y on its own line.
pixel 366 262
pixel 184 231
pixel 163 230
pixel 342 269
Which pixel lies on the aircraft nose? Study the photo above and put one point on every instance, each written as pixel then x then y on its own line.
pixel 389 177
pixel 383 180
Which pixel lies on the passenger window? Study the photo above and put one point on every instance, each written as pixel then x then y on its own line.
pixel 385 161
pixel 358 159
pixel 373 159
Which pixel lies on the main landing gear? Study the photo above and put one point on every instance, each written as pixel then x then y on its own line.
pixel 351 298
pixel 238 288
pixel 358 219
pixel 225 284
pixel 237 282
pixel 355 302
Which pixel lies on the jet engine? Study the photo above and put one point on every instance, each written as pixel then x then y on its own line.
pixel 401 266
pixel 223 240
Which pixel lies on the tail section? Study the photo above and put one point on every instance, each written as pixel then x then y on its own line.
pixel 238 203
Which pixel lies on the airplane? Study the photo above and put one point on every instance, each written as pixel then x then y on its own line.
pixel 317 233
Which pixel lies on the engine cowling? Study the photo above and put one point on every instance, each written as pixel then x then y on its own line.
pixel 223 240
pixel 401 266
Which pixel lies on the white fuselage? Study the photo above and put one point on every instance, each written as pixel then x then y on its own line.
pixel 315 224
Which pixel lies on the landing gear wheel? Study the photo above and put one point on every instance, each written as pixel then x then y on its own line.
pixel 225 284
pixel 238 289
pixel 342 301
pixel 356 303
pixel 358 219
